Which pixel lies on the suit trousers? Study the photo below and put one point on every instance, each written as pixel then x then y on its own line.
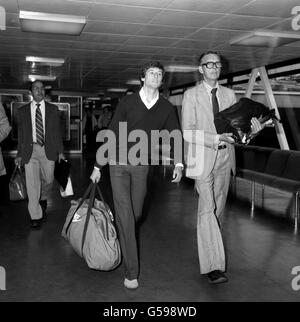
pixel 212 192
pixel 39 173
pixel 129 187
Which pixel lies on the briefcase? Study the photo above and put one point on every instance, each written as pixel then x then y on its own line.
pixel 62 173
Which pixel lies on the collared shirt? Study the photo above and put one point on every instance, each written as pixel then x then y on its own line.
pixel 33 110
pixel 209 88
pixel 144 99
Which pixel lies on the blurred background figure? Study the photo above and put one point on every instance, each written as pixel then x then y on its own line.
pixel 4 131
pixel 104 118
pixel 89 127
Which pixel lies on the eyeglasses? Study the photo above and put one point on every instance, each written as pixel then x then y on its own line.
pixel 212 64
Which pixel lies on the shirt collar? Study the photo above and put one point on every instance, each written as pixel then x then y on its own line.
pixel 34 103
pixel 209 88
pixel 144 99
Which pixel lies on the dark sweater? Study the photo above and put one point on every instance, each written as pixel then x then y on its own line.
pixel 132 110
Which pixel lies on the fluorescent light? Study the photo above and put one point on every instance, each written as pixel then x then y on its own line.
pixel 45 60
pixel 51 23
pixel 41 78
pixel 2 18
pixel 133 82
pixel 180 68
pixel 265 39
pixel 117 90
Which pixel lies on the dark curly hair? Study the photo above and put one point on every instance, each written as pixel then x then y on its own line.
pixel 149 65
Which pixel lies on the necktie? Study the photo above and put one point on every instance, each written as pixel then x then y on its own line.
pixel 39 128
pixel 214 100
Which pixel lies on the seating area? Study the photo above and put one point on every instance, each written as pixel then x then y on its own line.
pixel 268 167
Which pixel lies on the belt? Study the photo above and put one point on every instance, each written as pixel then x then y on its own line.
pixel 35 143
pixel 221 147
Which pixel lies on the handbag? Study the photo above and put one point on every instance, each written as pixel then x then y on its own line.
pixel 89 227
pixel 236 119
pixel 17 185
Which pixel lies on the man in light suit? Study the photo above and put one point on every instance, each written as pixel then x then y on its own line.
pixel 210 159
pixel 39 146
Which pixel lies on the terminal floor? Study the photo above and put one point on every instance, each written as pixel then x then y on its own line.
pixel 41 266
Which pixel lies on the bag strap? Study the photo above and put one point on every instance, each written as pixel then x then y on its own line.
pixel 14 173
pixel 107 210
pixel 85 196
pixel 88 215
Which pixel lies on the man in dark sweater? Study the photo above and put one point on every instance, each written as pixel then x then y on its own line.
pixel 138 116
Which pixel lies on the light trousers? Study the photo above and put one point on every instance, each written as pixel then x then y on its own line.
pixel 212 192
pixel 39 173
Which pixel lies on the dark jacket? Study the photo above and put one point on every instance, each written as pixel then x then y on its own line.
pixel 53 138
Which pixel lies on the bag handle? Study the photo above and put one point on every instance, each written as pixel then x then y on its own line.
pixel 16 169
pixel 85 196
pixel 89 212
pixel 88 215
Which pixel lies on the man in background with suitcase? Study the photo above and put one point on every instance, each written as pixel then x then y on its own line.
pixel 39 146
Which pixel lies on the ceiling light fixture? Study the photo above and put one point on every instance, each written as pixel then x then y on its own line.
pixel 117 90
pixel 265 38
pixel 41 78
pixel 51 23
pixel 180 68
pixel 2 18
pixel 133 82
pixel 45 60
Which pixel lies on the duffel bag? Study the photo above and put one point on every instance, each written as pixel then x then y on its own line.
pixel 89 227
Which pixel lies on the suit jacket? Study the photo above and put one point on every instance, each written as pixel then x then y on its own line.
pixel 199 130
pixel 4 131
pixel 53 138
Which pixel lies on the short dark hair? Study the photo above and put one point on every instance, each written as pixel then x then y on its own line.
pixel 149 65
pixel 210 52
pixel 32 83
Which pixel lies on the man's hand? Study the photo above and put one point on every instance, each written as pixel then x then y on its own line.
pixel 96 175
pixel 256 126
pixel 61 157
pixel 18 161
pixel 177 174
pixel 226 137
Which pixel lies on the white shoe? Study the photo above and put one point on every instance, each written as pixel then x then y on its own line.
pixel 131 284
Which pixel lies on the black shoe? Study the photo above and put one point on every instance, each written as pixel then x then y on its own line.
pixel 35 223
pixel 217 277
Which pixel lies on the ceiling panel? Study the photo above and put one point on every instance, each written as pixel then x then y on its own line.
pixel 121 35
pixel 237 22
pixel 122 13
pixel 266 8
pixel 209 5
pixel 56 6
pixel 113 27
pixel 184 18
pixel 137 3
pixel 164 31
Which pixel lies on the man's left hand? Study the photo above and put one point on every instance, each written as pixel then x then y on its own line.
pixel 256 126
pixel 61 157
pixel 177 174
